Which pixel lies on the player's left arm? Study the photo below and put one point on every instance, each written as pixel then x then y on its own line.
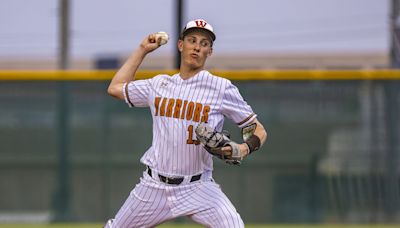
pixel 237 109
pixel 257 140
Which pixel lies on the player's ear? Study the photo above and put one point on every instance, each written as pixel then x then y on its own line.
pixel 180 45
pixel 210 52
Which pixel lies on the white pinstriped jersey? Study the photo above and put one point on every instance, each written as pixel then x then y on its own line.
pixel 177 107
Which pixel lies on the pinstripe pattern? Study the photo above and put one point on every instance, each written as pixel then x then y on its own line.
pixel 169 153
pixel 151 203
pixel 177 107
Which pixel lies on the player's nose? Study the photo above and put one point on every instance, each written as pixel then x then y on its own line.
pixel 196 46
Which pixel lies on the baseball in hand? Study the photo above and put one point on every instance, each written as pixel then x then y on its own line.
pixel 164 37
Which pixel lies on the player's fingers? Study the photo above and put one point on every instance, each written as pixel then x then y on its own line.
pixel 150 43
pixel 151 38
pixel 226 150
pixel 159 41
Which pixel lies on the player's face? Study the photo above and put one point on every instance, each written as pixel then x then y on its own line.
pixel 195 48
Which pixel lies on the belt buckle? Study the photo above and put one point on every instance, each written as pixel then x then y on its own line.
pixel 167 180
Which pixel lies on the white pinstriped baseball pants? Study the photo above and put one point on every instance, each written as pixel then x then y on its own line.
pixel 153 202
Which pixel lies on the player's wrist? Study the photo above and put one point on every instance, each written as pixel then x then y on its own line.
pixel 253 143
pixel 142 50
pixel 245 149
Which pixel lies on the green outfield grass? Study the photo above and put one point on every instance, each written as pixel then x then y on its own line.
pixel 74 225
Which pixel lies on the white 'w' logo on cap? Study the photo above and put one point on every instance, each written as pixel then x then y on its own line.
pixel 201 23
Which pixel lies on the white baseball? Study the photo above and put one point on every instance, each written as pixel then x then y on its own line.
pixel 164 37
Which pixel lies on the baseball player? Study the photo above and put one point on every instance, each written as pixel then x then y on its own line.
pixel 188 111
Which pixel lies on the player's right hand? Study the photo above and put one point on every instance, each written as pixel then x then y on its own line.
pixel 150 43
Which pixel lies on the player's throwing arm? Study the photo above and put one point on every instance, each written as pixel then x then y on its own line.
pixel 128 71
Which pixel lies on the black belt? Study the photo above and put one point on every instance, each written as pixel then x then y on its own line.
pixel 176 180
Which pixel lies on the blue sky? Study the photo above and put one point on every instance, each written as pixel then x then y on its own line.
pixel 99 27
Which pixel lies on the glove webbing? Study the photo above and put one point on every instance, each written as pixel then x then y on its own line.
pixel 212 135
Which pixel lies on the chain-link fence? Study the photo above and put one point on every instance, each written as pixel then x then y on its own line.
pixel 70 150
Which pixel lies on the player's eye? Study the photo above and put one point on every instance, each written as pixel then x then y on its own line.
pixel 191 40
pixel 205 43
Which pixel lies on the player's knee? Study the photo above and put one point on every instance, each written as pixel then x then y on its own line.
pixel 109 224
pixel 235 221
pixel 230 218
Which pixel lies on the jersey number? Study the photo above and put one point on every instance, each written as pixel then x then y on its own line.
pixel 190 139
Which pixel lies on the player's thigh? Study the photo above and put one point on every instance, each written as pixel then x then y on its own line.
pixel 145 207
pixel 219 211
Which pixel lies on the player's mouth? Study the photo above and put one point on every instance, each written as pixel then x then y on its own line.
pixel 194 55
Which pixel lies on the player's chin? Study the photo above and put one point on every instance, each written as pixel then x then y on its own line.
pixel 195 64
pixel 199 62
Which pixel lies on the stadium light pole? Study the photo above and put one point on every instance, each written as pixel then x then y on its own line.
pixel 395 34
pixel 391 114
pixel 61 197
pixel 179 10
pixel 63 58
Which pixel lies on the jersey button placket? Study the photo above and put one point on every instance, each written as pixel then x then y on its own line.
pixel 175 146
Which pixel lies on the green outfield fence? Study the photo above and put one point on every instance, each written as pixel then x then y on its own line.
pixel 69 152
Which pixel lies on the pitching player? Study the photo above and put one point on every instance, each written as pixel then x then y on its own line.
pixel 178 177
